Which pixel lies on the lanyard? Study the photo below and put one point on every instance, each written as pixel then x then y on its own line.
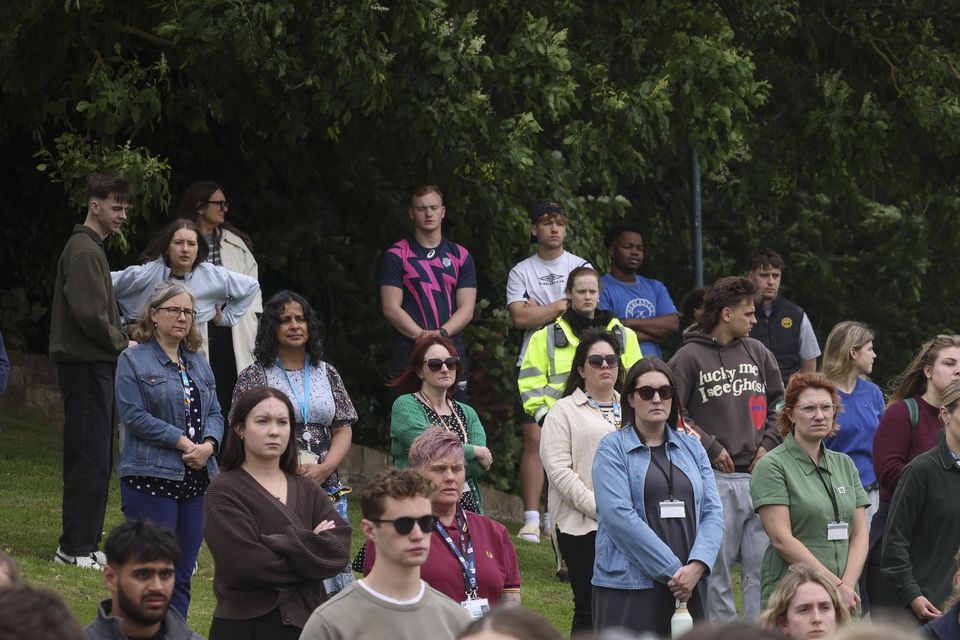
pixel 606 414
pixel 187 397
pixel 463 553
pixel 302 400
pixel 669 476
pixel 833 499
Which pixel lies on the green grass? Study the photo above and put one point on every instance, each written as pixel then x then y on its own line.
pixel 30 496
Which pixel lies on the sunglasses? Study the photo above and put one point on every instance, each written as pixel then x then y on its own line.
pixel 405 524
pixel 612 360
pixel 646 393
pixel 435 364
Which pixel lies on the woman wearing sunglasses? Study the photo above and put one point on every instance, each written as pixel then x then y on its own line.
pixel 471 559
pixel 660 521
pixel 179 252
pixel 231 347
pixel 588 410
pixel 173 425
pixel 273 533
pixel 810 499
pixel 427 387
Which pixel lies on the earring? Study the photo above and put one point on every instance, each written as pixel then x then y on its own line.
pixel 241 438
pixel 154 326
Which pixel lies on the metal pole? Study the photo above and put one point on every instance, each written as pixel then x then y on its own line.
pixel 697 219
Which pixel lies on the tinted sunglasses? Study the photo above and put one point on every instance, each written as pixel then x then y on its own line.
pixel 434 364
pixel 612 360
pixel 404 525
pixel 646 393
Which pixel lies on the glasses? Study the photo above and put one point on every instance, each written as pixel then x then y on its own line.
pixel 435 364
pixel 646 393
pixel 612 360
pixel 405 524
pixel 220 203
pixel 810 410
pixel 176 311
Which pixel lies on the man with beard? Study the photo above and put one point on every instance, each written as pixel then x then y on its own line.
pixel 141 555
pixel 642 304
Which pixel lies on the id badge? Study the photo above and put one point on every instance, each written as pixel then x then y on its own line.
pixel 308 457
pixel 476 607
pixel 672 509
pixel 837 531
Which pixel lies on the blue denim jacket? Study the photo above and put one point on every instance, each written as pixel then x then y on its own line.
pixel 150 400
pixel 629 553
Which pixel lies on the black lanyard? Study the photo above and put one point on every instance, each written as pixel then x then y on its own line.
pixel 668 476
pixel 833 499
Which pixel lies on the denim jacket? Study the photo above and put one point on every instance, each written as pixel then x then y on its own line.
pixel 150 400
pixel 629 553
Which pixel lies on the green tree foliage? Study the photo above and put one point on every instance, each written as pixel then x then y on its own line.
pixel 825 130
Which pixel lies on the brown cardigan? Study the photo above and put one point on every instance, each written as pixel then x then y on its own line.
pixel 266 552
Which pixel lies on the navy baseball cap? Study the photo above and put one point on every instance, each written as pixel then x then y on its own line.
pixel 543 209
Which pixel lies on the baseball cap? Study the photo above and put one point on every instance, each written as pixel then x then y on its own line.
pixel 543 209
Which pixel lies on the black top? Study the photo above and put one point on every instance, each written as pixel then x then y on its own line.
pixel 677 533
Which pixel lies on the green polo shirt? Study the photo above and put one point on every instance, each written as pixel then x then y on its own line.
pixel 787 476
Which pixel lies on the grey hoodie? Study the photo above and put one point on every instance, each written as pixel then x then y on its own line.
pixel 107 628
pixel 729 393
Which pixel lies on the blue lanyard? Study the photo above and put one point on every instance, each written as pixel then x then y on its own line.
pixel 596 405
pixel 303 401
pixel 466 557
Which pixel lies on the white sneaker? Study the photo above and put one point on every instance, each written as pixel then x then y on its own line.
pixel 99 557
pixel 84 562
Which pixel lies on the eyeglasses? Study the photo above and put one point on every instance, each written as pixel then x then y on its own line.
pixel 646 393
pixel 220 203
pixel 435 364
pixel 810 410
pixel 176 311
pixel 405 524
pixel 612 360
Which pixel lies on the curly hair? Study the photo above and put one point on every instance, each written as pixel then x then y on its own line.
pixel 265 347
pixel 393 483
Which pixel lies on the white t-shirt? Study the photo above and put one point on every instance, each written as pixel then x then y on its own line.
pixel 541 280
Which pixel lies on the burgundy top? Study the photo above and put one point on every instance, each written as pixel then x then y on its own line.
pixel 897 442
pixel 497 569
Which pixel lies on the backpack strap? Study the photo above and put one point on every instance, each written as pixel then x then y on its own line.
pixel 914 410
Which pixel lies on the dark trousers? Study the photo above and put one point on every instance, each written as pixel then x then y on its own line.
pixel 579 553
pixel 269 626
pixel 185 517
pixel 87 392
pixel 224 364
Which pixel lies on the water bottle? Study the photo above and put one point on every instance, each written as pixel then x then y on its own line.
pixel 681 622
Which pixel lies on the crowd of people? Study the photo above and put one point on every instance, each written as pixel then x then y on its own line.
pixel 663 477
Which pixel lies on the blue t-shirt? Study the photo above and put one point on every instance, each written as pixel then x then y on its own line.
pixel 858 423
pixel 645 298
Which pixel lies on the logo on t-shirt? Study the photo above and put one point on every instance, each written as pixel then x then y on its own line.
pixel 552 278
pixel 640 308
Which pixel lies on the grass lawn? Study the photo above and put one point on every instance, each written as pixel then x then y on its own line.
pixel 30 496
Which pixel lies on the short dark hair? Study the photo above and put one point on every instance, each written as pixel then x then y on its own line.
pixel 103 185
pixel 393 483
pixel 37 614
pixel 141 539
pixel 160 244
pixel 614 232
pixel 265 347
pixel 590 337
pixel 725 292
pixel 765 258
pixel 234 453
pixel 642 366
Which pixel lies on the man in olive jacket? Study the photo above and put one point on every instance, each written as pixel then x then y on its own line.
pixel 85 339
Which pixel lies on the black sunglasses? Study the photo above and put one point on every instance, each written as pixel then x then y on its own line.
pixel 404 525
pixel 612 360
pixel 646 393
pixel 436 363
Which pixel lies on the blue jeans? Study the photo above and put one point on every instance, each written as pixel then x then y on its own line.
pixel 185 517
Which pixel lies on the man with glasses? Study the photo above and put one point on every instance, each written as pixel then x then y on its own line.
pixel 86 338
pixel 730 389
pixel 428 286
pixel 392 601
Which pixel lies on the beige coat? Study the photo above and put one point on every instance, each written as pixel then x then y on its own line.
pixel 571 433
pixel 237 257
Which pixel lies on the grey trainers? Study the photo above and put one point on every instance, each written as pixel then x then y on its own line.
pixel 84 562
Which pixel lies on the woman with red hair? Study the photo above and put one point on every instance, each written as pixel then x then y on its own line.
pixel 427 388
pixel 810 499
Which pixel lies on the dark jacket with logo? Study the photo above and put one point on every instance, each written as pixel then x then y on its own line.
pixel 106 628
pixel 780 332
pixel 85 323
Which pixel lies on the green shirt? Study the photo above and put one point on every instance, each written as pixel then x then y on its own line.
pixel 787 476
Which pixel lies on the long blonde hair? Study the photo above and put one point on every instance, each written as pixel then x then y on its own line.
pixel 144 328
pixel 844 337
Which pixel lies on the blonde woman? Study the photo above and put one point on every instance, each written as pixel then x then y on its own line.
pixel 804 605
